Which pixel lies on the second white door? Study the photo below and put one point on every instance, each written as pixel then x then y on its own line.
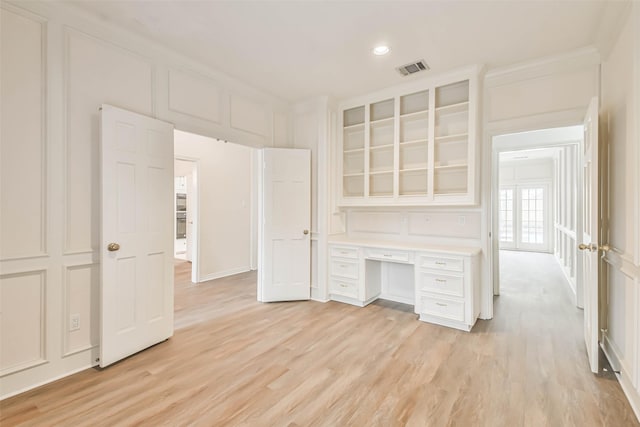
pixel 284 241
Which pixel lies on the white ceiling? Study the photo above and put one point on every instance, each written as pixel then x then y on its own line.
pixel 298 49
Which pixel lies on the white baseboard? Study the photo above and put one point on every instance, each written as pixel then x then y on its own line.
pixel 570 281
pixel 224 273
pixel 624 379
pixel 47 381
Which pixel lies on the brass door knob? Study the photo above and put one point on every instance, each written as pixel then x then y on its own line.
pixel 305 232
pixel 112 247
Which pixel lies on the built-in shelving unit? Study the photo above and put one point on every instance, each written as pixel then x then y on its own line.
pixel 412 147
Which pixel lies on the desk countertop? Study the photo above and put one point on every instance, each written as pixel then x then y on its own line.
pixel 342 239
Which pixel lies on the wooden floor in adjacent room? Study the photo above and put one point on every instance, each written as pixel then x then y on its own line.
pixel 313 364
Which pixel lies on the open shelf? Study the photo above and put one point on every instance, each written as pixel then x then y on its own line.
pixel 450 180
pixel 413 148
pixel 451 94
pixel 414 103
pixel 381 184
pixel 413 182
pixel 381 111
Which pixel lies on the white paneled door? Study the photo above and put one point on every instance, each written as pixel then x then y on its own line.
pixel 285 217
pixel 136 233
pixel 589 246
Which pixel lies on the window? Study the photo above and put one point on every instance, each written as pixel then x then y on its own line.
pixel 506 215
pixel 532 211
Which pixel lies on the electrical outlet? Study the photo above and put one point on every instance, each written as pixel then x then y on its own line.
pixel 74 322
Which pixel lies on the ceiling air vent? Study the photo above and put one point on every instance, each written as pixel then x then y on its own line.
pixel 413 67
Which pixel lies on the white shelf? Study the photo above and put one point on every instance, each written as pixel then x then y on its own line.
pixel 381 122
pixel 351 127
pixel 415 141
pixel 415 114
pixel 414 169
pixel 460 137
pixel 456 166
pixel 354 150
pixel 378 147
pixel 347 175
pixel 380 172
pixel 460 107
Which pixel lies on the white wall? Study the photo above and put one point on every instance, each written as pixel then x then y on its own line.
pixel 620 112
pixel 58 66
pixel 225 203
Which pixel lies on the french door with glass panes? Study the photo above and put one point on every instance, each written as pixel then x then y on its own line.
pixel 524 217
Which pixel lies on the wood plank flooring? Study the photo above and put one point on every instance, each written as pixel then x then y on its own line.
pixel 237 362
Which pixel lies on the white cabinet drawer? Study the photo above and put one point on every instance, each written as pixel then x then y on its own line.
pixel 344 252
pixel 342 268
pixel 442 263
pixel 448 284
pixel 388 255
pixel 347 288
pixel 444 308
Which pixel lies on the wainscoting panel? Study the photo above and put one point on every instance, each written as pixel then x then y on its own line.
pixel 22 195
pixel 22 303
pixel 196 96
pixel 95 73
pixel 82 300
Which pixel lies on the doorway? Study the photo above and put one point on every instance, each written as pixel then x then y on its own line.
pixel 186 213
pixel 536 203
pixel 216 199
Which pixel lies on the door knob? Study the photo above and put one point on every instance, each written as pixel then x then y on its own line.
pixel 112 247
pixel 593 247
pixel 305 232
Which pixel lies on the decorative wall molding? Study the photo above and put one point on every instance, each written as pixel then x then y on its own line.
pixel 623 262
pixel 196 86
pixel 20 307
pixel 40 249
pixel 88 325
pixel 70 34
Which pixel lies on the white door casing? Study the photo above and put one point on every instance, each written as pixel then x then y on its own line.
pixel 589 247
pixel 284 238
pixel 137 204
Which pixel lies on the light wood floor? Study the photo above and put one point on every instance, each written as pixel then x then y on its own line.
pixel 314 364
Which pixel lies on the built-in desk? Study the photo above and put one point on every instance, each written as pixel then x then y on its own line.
pixel 441 282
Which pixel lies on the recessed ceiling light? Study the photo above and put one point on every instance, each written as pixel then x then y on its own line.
pixel 381 50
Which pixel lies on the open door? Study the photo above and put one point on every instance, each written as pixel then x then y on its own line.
pixel 136 233
pixel 589 246
pixel 284 242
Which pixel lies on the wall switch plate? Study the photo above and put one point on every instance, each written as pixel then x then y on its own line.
pixel 74 322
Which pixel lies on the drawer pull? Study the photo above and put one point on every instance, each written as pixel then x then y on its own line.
pixel 441 263
pixel 387 255
pixel 344 252
pixel 441 281
pixel 441 304
pixel 342 285
pixel 343 266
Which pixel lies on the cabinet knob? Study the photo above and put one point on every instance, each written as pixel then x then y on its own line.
pixel 112 247
pixel 305 232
